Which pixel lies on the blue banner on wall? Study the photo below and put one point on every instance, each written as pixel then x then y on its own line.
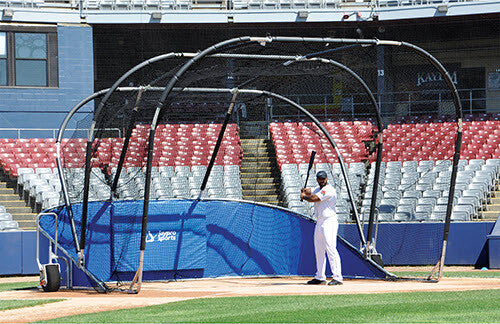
pixel 176 237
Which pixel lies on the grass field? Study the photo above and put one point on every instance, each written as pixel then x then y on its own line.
pixel 450 307
pixel 18 303
pixel 18 285
pixel 451 274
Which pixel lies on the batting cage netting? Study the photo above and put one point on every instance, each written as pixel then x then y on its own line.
pixel 175 127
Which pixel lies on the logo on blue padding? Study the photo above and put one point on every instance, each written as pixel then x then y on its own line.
pixel 161 236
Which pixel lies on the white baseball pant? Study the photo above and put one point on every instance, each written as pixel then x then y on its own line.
pixel 325 244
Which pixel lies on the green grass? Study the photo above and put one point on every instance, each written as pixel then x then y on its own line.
pixel 18 303
pixel 451 274
pixel 18 285
pixel 450 307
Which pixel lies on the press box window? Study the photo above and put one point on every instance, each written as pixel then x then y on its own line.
pixel 28 59
pixel 31 59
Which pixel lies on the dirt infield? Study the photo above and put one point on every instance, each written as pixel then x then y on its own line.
pixel 88 301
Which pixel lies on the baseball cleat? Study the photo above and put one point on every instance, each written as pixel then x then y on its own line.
pixel 335 283
pixel 316 282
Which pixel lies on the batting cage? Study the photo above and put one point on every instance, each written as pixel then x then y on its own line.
pixel 164 191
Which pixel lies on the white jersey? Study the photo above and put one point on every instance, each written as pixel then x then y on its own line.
pixel 326 207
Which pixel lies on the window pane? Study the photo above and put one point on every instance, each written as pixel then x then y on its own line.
pixel 31 46
pixel 3 45
pixel 3 72
pixel 31 73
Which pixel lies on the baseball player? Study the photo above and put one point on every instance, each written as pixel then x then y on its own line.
pixel 325 233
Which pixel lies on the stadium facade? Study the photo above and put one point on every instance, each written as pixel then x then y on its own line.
pixel 54 53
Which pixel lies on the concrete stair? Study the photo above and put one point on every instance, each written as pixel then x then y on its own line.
pixel 16 207
pixel 259 170
pixel 493 208
pixel 254 129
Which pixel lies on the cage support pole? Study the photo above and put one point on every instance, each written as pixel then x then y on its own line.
pixel 130 128
pixel 67 201
pixel 85 203
pixel 369 249
pixel 123 154
pixel 456 158
pixel 449 208
pixel 218 143
pixel 60 169
pixel 154 124
pixel 372 219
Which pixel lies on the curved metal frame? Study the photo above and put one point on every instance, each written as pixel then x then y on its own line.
pixel 263 40
pixel 290 59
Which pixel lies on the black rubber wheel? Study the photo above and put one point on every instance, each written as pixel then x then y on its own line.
pixel 53 278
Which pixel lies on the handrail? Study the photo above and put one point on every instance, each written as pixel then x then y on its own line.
pixel 238 5
pixel 399 98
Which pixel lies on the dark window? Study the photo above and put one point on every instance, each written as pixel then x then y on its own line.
pixel 28 57
pixel 3 58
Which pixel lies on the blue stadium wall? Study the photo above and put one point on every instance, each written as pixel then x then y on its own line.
pixel 46 107
pixel 398 243
pixel 192 239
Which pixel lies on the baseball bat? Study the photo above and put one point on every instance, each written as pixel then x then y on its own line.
pixel 311 161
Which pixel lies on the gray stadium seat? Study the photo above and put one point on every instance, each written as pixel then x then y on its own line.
pixel 385 217
pixel 407 210
pixel 432 193
pixel 460 215
pixel 437 216
pixel 421 216
pixel 427 201
pixel 468 209
pixel 4 216
pixel 9 225
pixel 412 194
pixel 167 171
pixel 388 206
pixel 401 217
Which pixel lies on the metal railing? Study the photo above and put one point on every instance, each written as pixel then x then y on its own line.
pixel 214 4
pixel 402 103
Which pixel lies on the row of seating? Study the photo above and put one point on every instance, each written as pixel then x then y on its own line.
pixel 424 140
pixel 6 222
pixel 416 191
pixel 200 4
pixel 293 179
pixel 408 191
pixel 182 182
pixel 41 188
pixel 189 4
pixel 446 118
pixel 293 141
pixel 175 144
pixel 436 141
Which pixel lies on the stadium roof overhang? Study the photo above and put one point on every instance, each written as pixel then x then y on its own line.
pixel 344 12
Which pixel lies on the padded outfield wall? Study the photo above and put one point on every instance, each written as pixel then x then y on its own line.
pixel 221 238
pixel 468 245
pixel 194 239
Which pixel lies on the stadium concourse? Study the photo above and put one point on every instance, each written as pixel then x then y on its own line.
pixel 417 154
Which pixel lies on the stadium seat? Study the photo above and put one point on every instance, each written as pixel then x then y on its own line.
pixel 9 225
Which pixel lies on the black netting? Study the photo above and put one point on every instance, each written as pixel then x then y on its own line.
pixel 418 118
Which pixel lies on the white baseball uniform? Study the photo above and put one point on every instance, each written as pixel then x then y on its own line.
pixel 325 233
